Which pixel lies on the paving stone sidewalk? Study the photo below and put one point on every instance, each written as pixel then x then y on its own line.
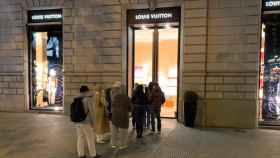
pixel 29 135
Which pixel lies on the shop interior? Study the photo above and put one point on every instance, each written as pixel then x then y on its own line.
pixel 154 57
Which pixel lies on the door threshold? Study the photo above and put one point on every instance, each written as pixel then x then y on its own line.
pixel 271 127
pixel 46 111
pixel 172 118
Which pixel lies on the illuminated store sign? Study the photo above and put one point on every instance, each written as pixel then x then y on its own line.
pixel 146 16
pixel 153 16
pixel 42 16
pixel 46 17
pixel 271 5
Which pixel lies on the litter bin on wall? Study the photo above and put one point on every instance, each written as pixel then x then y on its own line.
pixel 190 108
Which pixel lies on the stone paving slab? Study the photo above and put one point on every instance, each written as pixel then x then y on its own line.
pixel 29 135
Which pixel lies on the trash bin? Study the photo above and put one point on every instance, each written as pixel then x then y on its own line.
pixel 190 108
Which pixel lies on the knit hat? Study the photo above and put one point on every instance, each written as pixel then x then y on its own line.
pixel 84 89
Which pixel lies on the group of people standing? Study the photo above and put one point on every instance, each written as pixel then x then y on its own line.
pixel 106 113
pixel 147 107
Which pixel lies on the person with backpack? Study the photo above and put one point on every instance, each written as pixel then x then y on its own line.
pixel 156 99
pixel 139 101
pixel 82 114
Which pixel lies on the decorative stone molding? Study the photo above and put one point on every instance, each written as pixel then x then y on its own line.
pixel 44 3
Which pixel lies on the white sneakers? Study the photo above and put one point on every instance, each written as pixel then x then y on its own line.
pixel 120 148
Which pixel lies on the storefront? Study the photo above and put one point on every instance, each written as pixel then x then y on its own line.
pixel 269 93
pixel 153 52
pixel 49 48
pixel 45 59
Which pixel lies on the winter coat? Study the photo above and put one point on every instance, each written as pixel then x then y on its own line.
pixel 101 120
pixel 108 98
pixel 148 92
pixel 156 98
pixel 121 106
pixel 139 99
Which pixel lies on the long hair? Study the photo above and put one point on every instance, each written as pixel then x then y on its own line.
pixel 139 90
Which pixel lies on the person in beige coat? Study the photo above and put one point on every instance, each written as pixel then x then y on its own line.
pixel 102 127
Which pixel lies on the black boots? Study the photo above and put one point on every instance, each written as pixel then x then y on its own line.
pixel 97 156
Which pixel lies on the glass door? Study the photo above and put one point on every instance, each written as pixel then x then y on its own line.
pixel 155 58
pixel 46 68
pixel 168 68
pixel 143 56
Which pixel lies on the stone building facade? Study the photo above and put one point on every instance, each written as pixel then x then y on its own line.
pixel 219 60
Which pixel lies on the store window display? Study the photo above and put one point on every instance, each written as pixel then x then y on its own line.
pixel 270 69
pixel 47 70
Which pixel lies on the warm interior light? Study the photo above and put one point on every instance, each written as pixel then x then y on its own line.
pixel 57 108
pixel 167 26
pixel 52 73
pixel 263 32
pixel 167 63
pixel 144 27
pixel 261 81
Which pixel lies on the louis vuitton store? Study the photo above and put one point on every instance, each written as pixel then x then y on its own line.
pixel 50 48
pixel 45 59
pixel 153 54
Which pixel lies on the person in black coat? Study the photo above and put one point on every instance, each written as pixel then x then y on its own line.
pixel 139 101
pixel 148 91
pixel 108 99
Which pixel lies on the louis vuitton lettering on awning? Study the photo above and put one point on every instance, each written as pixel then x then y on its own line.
pixel 45 16
pixel 159 15
pixel 270 5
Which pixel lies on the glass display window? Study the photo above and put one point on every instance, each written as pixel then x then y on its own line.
pixel 46 67
pixel 269 87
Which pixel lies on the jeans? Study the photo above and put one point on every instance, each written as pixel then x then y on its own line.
pixel 140 119
pixel 86 137
pixel 155 114
pixel 133 114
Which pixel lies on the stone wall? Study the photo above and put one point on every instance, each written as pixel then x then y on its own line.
pixel 219 59
pixel 11 57
pixel 82 32
pixel 195 53
pixel 232 63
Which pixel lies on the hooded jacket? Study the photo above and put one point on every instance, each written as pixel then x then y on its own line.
pixel 156 97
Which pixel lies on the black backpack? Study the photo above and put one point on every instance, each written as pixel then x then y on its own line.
pixel 77 113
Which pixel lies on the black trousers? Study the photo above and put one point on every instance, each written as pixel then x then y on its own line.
pixel 140 118
pixel 155 114
pixel 148 116
pixel 133 118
